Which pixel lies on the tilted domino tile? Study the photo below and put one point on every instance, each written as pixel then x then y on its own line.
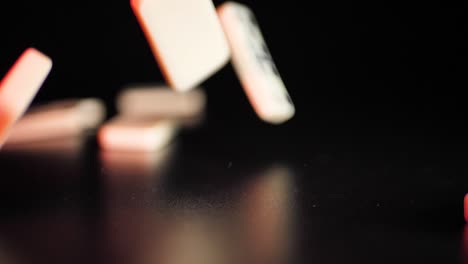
pixel 186 39
pixel 58 119
pixel 136 134
pixel 159 101
pixel 19 86
pixel 254 64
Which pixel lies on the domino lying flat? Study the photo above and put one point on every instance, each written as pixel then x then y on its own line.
pixel 186 39
pixel 19 87
pixel 57 120
pixel 254 64
pixel 136 134
pixel 159 101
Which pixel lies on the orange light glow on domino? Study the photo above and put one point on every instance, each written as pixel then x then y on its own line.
pixel 254 64
pixel 57 120
pixel 466 208
pixel 136 134
pixel 19 86
pixel 186 38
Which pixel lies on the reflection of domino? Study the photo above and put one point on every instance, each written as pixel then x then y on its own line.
pixel 268 205
pixel 254 65
pixel 159 101
pixel 58 119
pixel 123 164
pixel 186 38
pixel 19 87
pixel 136 134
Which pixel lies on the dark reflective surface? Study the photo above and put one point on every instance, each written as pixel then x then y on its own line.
pixel 67 203
pixel 203 202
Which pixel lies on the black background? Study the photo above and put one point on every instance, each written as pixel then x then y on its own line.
pixel 378 143
pixel 383 65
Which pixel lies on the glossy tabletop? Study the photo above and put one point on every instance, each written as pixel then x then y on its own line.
pixel 214 197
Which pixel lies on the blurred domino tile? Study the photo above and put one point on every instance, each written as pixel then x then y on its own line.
pixel 254 64
pixel 133 134
pixel 19 86
pixel 185 37
pixel 58 119
pixel 159 101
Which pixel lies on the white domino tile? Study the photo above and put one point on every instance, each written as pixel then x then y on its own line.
pixel 130 134
pixel 186 38
pixel 254 64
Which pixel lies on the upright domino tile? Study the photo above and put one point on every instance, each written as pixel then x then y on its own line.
pixel 136 134
pixel 254 64
pixel 19 86
pixel 159 101
pixel 186 39
pixel 64 118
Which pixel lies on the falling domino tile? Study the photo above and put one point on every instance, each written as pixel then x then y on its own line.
pixel 186 39
pixel 19 86
pixel 136 134
pixel 159 101
pixel 58 119
pixel 254 64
